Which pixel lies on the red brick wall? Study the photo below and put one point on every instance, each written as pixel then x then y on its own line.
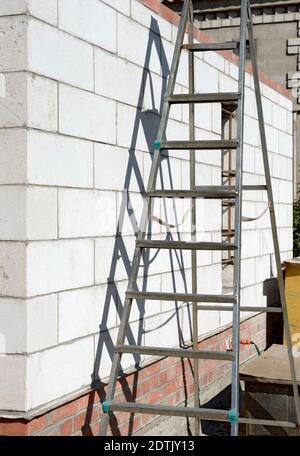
pixel 168 381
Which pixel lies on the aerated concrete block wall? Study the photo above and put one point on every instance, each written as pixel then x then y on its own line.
pixel 81 86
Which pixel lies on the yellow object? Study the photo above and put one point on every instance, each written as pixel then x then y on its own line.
pixel 292 293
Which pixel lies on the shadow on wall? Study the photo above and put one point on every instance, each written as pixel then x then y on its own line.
pixel 149 122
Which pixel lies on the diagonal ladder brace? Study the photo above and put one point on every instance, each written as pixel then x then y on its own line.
pixel 234 193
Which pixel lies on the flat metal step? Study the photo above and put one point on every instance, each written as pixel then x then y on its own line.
pixel 190 412
pixel 165 410
pixel 182 245
pixel 186 297
pixel 225 97
pixel 175 352
pixel 242 308
pixel 198 145
pixel 209 191
pixel 202 47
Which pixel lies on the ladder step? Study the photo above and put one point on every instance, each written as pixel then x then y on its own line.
pixel 198 145
pixel 182 245
pixel 242 308
pixel 190 412
pixel 166 410
pixel 226 97
pixel 202 47
pixel 175 352
pixel 209 191
pixel 154 296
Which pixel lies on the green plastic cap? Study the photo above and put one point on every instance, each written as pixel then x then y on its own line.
pixel 232 416
pixel 157 145
pixel 105 407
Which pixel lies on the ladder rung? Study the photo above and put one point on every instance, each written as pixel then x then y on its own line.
pixel 166 410
pixel 154 296
pixel 201 47
pixel 191 412
pixel 175 352
pixel 248 188
pixel 182 245
pixel 225 97
pixel 212 192
pixel 199 145
pixel 242 309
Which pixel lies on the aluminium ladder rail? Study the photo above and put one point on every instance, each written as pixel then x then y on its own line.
pixel 234 192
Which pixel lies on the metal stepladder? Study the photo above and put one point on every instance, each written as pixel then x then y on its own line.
pixel 213 192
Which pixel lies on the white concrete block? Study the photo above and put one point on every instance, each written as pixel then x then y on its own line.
pixel 49 155
pixel 28 213
pixel 262 268
pixel 81 312
pixel 56 54
pixel 250 103
pixel 285 239
pixel 123 7
pixel 41 323
pixel 127 136
pixel 250 244
pixel 113 258
pixel 268 110
pixel 59 265
pixel 46 10
pixel 12 156
pixel 150 20
pixel 285 144
pixel 12 325
pixel 86 115
pixel 13 213
pixel 134 41
pixel 112 74
pixel 156 328
pixel 41 213
pixel 209 82
pixel 129 212
pixel 272 138
pixel 13 106
pixel 10 7
pixel 215 60
pixel 251 131
pixel 117 169
pixel 227 84
pixel 279 117
pixel 285 192
pixel 266 242
pixel 86 213
pixel 13 269
pixel 208 321
pixel 59 371
pixel 13 36
pixel 82 18
pixel 42 103
pixel 247 272
pixel 13 379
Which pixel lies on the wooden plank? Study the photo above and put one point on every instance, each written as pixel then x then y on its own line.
pixel 271 367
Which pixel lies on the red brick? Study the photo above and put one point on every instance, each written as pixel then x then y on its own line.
pixel 13 428
pixel 66 428
pixel 38 424
pixel 65 411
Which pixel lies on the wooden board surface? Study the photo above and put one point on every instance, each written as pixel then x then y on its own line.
pixel 271 367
